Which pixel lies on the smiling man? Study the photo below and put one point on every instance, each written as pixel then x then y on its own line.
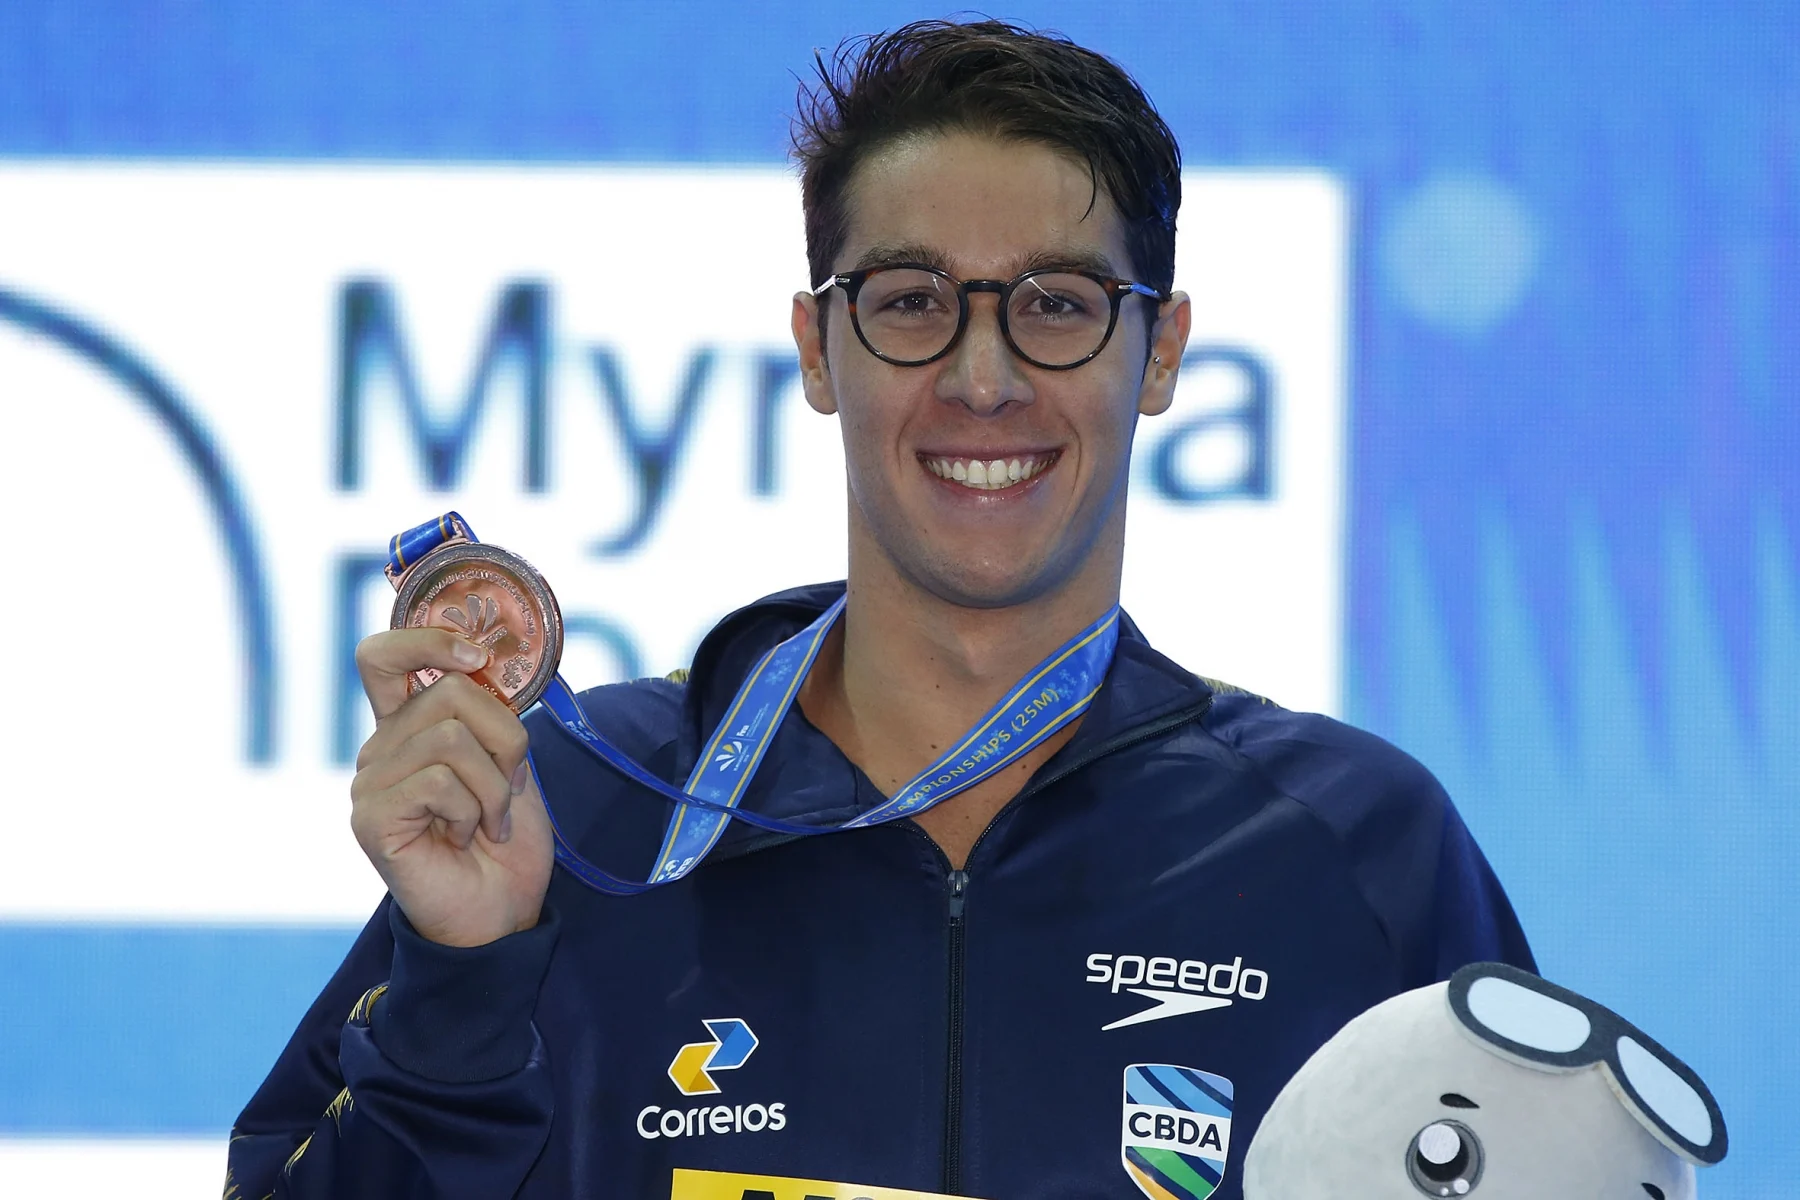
pixel 1083 913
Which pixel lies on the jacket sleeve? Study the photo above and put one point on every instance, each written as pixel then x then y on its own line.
pixel 1419 867
pixel 1475 921
pixel 1421 871
pixel 417 1073
pixel 1406 846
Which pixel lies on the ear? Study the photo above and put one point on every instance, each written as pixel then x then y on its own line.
pixel 815 374
pixel 1168 339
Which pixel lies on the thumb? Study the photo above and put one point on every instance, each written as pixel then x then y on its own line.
pixel 385 659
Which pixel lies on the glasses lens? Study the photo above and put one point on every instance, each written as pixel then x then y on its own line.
pixel 1058 319
pixel 1528 1018
pixel 1665 1093
pixel 906 314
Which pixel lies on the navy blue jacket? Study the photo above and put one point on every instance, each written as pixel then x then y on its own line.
pixel 849 1007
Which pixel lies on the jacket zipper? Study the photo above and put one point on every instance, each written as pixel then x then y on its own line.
pixel 959 886
pixel 959 883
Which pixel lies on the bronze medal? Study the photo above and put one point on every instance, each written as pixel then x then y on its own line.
pixel 495 599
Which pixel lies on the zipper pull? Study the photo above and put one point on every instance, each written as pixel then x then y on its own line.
pixel 959 883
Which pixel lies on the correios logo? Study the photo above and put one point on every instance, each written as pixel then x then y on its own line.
pixel 1179 986
pixel 730 1047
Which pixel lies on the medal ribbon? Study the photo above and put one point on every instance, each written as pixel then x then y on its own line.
pixel 1050 695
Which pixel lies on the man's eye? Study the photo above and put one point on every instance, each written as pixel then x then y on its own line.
pixel 913 302
pixel 1050 304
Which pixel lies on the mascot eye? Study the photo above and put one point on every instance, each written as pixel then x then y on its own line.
pixel 1445 1159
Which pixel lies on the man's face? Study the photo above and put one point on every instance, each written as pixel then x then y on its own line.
pixel 979 208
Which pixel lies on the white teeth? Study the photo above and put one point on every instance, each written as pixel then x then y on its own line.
pixel 988 476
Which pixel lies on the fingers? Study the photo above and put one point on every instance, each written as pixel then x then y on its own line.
pixel 384 659
pixel 386 820
pixel 454 697
pixel 459 725
pixel 448 743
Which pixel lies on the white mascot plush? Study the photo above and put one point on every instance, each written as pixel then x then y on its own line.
pixel 1495 1086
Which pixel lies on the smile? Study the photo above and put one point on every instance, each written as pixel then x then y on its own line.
pixel 990 475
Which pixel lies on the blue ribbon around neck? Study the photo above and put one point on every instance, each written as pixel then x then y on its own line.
pixel 1053 693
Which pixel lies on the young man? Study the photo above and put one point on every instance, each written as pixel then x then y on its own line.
pixel 1155 914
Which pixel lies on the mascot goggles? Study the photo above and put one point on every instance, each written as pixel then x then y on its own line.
pixel 1536 1024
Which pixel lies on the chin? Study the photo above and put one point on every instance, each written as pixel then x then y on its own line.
pixel 1004 565
pixel 956 583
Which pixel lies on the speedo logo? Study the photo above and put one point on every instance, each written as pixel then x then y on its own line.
pixel 729 1047
pixel 1179 986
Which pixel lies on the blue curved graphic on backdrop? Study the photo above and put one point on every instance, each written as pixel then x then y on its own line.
pixel 202 455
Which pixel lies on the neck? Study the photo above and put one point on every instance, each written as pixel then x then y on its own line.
pixel 908 672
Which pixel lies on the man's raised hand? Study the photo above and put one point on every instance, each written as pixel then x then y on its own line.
pixel 443 802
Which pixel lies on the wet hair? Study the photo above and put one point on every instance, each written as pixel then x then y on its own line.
pixel 999 80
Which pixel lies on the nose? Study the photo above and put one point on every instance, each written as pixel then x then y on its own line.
pixel 982 373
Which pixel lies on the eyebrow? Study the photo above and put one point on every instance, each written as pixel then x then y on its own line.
pixel 1456 1100
pixel 889 254
pixel 1070 258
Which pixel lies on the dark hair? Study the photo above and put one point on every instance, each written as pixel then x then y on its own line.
pixel 994 78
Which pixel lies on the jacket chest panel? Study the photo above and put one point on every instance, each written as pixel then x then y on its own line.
pixel 780 1014
pixel 1227 955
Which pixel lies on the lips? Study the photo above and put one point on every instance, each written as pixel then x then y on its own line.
pixel 984 474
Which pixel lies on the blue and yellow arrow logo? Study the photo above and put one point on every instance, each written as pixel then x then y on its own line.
pixel 731 1046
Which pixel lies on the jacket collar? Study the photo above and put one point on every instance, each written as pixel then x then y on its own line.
pixel 805 775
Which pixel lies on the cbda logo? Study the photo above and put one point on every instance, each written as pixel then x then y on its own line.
pixel 1175 1132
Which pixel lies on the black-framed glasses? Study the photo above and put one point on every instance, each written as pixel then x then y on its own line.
pixel 1533 1022
pixel 909 314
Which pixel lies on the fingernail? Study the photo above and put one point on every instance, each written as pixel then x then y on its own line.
pixel 469 654
pixel 506 827
pixel 519 777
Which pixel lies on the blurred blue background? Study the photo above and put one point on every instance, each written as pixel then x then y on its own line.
pixel 1573 573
